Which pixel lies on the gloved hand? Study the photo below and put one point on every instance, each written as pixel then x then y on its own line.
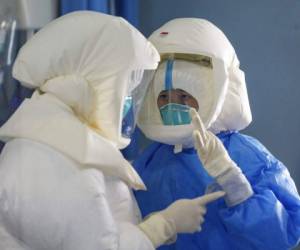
pixel 218 163
pixel 182 216
pixel 187 215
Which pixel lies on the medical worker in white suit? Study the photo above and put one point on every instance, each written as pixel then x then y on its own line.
pixel 64 184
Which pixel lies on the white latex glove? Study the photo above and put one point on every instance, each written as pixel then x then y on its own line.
pixel 182 216
pixel 187 215
pixel 218 163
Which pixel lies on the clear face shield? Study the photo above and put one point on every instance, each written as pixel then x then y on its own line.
pixel 139 83
pixel 178 92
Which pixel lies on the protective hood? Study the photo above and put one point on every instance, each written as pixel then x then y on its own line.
pixel 220 91
pixel 82 74
pixel 79 58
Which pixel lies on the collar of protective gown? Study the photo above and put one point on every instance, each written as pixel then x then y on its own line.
pixel 46 119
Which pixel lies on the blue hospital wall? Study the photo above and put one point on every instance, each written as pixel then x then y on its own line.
pixel 266 36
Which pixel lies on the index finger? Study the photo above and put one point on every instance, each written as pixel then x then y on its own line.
pixel 198 123
pixel 210 197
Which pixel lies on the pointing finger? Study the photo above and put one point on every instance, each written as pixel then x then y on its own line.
pixel 197 123
pixel 198 140
pixel 210 197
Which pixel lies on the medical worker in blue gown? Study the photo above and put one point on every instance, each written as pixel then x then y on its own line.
pixel 194 109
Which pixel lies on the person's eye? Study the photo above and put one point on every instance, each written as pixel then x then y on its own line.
pixel 185 97
pixel 163 96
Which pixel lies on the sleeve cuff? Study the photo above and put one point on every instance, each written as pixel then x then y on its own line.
pixel 236 186
pixel 158 230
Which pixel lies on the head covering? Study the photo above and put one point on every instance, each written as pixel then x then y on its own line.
pixel 82 66
pixel 79 58
pixel 220 89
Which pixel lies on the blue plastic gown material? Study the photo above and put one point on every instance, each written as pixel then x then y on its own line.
pixel 269 220
pixel 74 5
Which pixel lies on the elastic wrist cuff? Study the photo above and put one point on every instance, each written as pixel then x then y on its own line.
pixel 158 230
pixel 236 186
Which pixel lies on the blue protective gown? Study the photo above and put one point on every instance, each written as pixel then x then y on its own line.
pixel 270 219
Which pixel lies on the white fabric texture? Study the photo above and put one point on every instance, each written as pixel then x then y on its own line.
pixel 63 182
pixel 7 241
pixel 50 202
pixel 79 58
pixel 228 106
pixel 46 119
pixel 218 164
pixel 86 74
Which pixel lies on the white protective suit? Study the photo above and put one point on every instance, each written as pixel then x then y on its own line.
pixel 63 182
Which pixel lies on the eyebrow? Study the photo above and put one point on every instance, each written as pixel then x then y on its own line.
pixel 164 92
pixel 167 91
pixel 181 90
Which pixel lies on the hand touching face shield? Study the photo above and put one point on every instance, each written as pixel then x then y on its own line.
pixel 218 163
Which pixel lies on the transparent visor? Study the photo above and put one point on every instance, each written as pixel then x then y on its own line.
pixel 139 83
pixel 181 82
